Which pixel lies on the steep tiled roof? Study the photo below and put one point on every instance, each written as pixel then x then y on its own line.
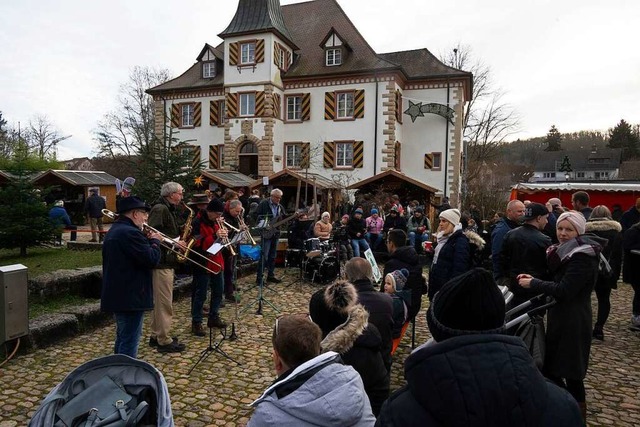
pixel 191 79
pixel 257 16
pixel 309 23
pixel 580 159
pixel 421 63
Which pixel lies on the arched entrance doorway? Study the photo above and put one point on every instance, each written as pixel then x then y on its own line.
pixel 248 159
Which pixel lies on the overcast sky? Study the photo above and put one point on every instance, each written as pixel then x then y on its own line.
pixel 572 63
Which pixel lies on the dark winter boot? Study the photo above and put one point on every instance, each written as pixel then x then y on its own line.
pixel 216 322
pixel 598 333
pixel 197 329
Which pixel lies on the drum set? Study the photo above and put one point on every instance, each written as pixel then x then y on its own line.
pixel 318 260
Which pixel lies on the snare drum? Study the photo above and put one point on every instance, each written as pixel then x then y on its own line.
pixel 312 247
pixel 323 269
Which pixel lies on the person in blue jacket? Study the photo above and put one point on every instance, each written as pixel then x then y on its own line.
pixel 128 257
pixel 60 219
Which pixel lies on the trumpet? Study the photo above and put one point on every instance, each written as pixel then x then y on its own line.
pixel 168 243
pixel 244 225
pixel 225 240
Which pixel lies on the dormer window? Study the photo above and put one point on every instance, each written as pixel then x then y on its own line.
pixel 334 57
pixel 208 70
pixel 248 53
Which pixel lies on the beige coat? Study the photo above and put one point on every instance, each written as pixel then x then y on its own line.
pixel 322 230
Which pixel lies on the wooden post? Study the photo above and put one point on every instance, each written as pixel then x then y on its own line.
pixel 298 196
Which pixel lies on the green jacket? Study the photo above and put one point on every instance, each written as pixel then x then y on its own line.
pixel 164 218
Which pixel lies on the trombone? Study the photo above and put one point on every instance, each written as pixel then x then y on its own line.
pixel 168 243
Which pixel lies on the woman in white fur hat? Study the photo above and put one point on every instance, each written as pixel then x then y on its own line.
pixel 452 255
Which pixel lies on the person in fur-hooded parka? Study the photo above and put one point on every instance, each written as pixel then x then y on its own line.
pixel 602 225
pixel 345 330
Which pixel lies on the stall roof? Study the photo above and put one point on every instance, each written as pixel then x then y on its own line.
pixel 80 178
pixel 577 186
pixel 393 175
pixel 229 179
pixel 321 182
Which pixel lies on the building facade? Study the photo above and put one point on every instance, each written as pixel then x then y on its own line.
pixel 298 87
pixel 578 165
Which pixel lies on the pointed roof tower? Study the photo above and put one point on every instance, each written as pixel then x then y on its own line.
pixel 258 16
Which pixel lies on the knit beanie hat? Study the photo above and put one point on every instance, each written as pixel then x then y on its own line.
pixel 467 304
pixel 215 205
pixel 329 307
pixel 451 215
pixel 399 278
pixel 576 219
pixel 374 211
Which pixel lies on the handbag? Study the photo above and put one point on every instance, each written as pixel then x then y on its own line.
pixel 104 403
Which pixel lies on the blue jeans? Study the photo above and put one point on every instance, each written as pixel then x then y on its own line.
pixel 377 239
pixel 270 247
pixel 216 282
pixel 356 244
pixel 128 332
pixel 199 287
pixel 412 238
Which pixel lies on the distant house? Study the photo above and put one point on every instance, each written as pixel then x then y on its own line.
pixel 78 164
pixel 584 165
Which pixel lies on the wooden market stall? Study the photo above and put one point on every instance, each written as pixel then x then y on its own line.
pixel 73 188
pixel 600 193
pixel 302 187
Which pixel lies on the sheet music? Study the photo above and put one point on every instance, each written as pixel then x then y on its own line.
pixel 215 248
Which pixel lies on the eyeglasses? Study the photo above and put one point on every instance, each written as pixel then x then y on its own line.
pixel 143 212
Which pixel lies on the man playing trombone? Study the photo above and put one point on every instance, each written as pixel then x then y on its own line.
pixel 206 230
pixel 164 218
pixel 234 222
pixel 128 257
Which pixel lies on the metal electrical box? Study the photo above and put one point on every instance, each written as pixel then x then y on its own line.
pixel 14 307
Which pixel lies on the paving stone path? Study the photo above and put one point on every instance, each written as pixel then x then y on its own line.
pixel 217 392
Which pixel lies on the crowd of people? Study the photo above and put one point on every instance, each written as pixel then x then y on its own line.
pixel 334 365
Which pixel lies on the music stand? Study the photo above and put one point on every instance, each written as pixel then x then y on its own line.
pixel 260 299
pixel 214 348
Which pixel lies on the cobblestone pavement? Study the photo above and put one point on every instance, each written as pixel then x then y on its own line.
pixel 217 392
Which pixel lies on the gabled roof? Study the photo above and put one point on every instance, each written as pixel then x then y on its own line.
pixel 80 178
pixel 309 23
pixel 420 63
pixel 392 174
pixel 214 50
pixel 228 179
pixel 321 182
pixel 580 159
pixel 258 16
pixel 191 79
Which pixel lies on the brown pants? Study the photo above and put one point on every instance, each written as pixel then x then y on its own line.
pixel 96 224
pixel 162 305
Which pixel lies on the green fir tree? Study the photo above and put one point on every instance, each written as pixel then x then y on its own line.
pixel 623 136
pixel 553 140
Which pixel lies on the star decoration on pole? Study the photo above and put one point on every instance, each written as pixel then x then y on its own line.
pixel 414 111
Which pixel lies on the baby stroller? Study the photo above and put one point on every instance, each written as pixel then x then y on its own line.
pixel 115 390
pixel 529 325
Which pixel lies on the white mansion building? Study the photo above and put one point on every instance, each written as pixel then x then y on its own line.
pixel 298 87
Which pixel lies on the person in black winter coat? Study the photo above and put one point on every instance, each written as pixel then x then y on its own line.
pixel 631 216
pixel 452 255
pixel 356 229
pixel 573 264
pixel 402 256
pixel 128 257
pixel 394 221
pixel 471 373
pixel 378 305
pixel 602 225
pixel 524 250
pixel 345 330
pixel 631 271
